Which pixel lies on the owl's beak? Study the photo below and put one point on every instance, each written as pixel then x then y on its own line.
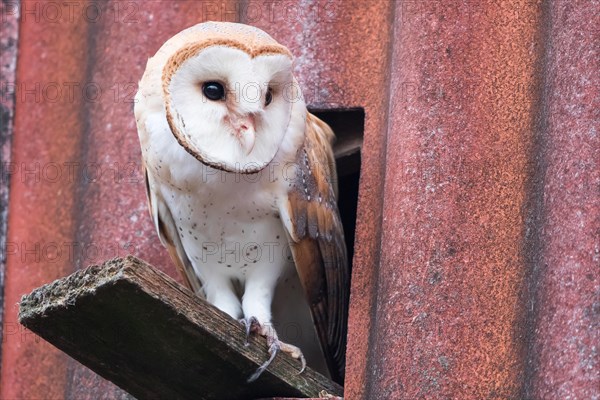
pixel 247 138
pixel 244 127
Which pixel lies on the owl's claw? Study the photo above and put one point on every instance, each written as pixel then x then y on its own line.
pixel 275 345
pixel 252 325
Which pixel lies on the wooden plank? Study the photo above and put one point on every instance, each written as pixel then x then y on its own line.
pixel 135 326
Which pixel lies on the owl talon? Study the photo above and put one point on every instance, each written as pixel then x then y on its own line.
pixel 273 349
pixel 275 345
pixel 295 352
pixel 252 325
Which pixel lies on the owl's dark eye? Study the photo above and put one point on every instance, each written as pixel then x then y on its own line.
pixel 213 91
pixel 269 97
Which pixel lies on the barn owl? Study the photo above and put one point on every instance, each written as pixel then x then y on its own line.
pixel 241 186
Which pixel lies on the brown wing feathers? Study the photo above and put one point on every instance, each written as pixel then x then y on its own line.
pixel 319 249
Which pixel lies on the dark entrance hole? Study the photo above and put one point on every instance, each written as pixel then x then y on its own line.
pixel 348 125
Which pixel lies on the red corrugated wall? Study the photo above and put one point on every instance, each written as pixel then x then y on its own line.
pixel 477 258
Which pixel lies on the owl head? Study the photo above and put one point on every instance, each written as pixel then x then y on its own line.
pixel 229 94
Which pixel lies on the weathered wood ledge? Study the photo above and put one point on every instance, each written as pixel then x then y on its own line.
pixel 138 328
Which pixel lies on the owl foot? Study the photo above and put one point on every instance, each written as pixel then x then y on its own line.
pixel 275 345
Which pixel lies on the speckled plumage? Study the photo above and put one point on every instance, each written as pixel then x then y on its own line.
pixel 258 233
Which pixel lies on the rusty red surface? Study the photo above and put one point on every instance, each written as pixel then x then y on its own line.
pixel 448 319
pixel 43 201
pixel 565 360
pixel 9 34
pixel 476 194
